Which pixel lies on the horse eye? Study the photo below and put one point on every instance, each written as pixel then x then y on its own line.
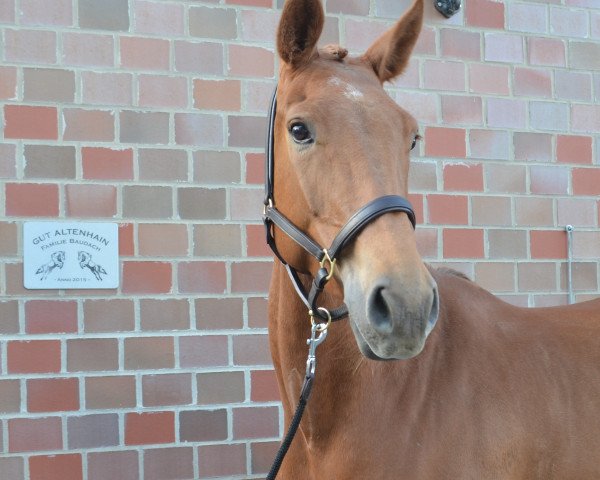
pixel 300 133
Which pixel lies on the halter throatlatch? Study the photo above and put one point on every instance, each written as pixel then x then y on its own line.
pixel 326 257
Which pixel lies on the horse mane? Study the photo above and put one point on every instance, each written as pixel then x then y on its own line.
pixel 449 272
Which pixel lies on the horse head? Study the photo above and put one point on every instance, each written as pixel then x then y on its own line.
pixel 340 142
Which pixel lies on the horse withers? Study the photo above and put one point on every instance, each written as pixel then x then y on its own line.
pixel 473 388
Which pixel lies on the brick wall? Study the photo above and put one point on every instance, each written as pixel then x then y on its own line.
pixel 151 114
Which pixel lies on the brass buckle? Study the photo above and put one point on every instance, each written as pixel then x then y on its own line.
pixel 320 327
pixel 327 259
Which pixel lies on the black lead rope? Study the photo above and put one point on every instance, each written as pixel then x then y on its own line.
pixel 320 317
pixel 311 363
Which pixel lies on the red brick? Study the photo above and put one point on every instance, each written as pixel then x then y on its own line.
pixel 203 351
pixel 584 118
pixel 418 203
pixel 448 209
pixel 506 113
pixel 503 47
pixel 527 18
pixel 31 200
pixel 149 353
pixel 146 277
pixel 162 91
pixel 122 465
pixel 9 243
pixel 573 149
pixel 484 13
pixel 199 58
pixel 93 431
pixel 12 467
pixel 257 312
pixel 34 356
pixel 549 180
pixel 203 425
pixel 109 315
pixel 210 463
pixel 30 46
pixel 8 83
pixel 263 386
pixel 159 18
pixel 262 456
pixel 463 176
pixel 217 94
pixel 107 163
pixel 170 314
pixel 489 144
pixel 52 395
pixel 458 109
pixel 163 240
pixel 444 75
pixel 144 53
pixel 149 428
pixel 34 434
pixel 91 200
pixel 88 125
pixel 255 422
pixel 251 350
pixel 163 463
pixel 163 390
pixel 10 396
pixel 531 82
pixel 257 243
pixel 460 44
pixel 546 51
pixel 586 181
pixel 533 147
pixel 463 243
pixel 489 210
pixel 50 316
pixel 220 388
pixel 109 392
pixel 548 244
pixel 202 277
pixel 87 49
pixel 489 78
pixel 251 277
pixel 219 313
pixel 56 467
pixel 23 121
pixel 445 142
pixel 101 88
pixel 92 354
pixel 247 61
pixel 126 241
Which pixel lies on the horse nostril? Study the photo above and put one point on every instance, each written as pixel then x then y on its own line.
pixel 379 311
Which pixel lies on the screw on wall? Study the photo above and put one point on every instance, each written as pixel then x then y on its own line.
pixel 447 7
pixel 569 229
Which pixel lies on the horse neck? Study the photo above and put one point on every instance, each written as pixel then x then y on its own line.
pixel 345 381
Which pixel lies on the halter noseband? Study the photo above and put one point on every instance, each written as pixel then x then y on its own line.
pixel 326 257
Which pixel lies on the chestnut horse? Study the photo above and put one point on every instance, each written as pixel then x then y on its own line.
pixel 473 388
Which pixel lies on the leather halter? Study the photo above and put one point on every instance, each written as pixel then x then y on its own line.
pixel 327 257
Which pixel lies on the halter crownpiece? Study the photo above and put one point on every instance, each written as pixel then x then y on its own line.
pixel 325 256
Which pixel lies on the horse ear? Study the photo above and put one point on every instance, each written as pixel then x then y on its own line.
pixel 390 53
pixel 300 27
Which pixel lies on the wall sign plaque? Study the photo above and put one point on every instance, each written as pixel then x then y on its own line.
pixel 69 255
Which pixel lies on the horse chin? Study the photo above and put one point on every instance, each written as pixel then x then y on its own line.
pixel 403 332
pixel 385 351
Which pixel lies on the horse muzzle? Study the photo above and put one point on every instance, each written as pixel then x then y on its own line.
pixel 390 319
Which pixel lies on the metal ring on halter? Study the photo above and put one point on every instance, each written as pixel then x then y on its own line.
pixel 327 259
pixel 321 327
